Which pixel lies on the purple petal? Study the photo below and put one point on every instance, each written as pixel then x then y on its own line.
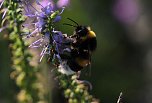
pixel 39 3
pixel 57 36
pixel 47 37
pixel 1 3
pixel 4 13
pixel 41 15
pixel 30 15
pixel 34 32
pixel 63 3
pixel 43 52
pixel 1 29
pixel 48 10
pixel 58 18
pixel 41 22
pixel 36 43
pixel 45 3
pixel 27 25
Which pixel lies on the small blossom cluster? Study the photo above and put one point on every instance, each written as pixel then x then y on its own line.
pixel 44 26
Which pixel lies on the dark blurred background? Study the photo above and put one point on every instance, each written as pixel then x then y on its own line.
pixel 123 59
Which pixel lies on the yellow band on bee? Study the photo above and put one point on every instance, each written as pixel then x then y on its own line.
pixel 82 62
pixel 91 34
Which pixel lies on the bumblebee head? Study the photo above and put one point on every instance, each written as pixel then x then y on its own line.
pixel 82 31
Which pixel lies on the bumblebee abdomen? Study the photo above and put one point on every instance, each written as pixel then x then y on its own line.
pixel 89 44
pixel 74 66
pixel 92 44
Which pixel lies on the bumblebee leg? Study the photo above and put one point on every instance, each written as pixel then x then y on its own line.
pixel 86 83
pixel 73 36
pixel 78 74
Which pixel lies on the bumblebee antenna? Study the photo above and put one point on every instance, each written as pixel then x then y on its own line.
pixel 69 24
pixel 73 21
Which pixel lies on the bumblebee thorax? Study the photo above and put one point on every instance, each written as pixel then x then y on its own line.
pixel 81 31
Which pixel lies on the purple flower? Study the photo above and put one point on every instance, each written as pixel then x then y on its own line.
pixel 53 43
pixel 126 11
pixel 41 26
pixel 44 18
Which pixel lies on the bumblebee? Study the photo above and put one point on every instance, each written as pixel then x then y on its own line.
pixel 83 45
